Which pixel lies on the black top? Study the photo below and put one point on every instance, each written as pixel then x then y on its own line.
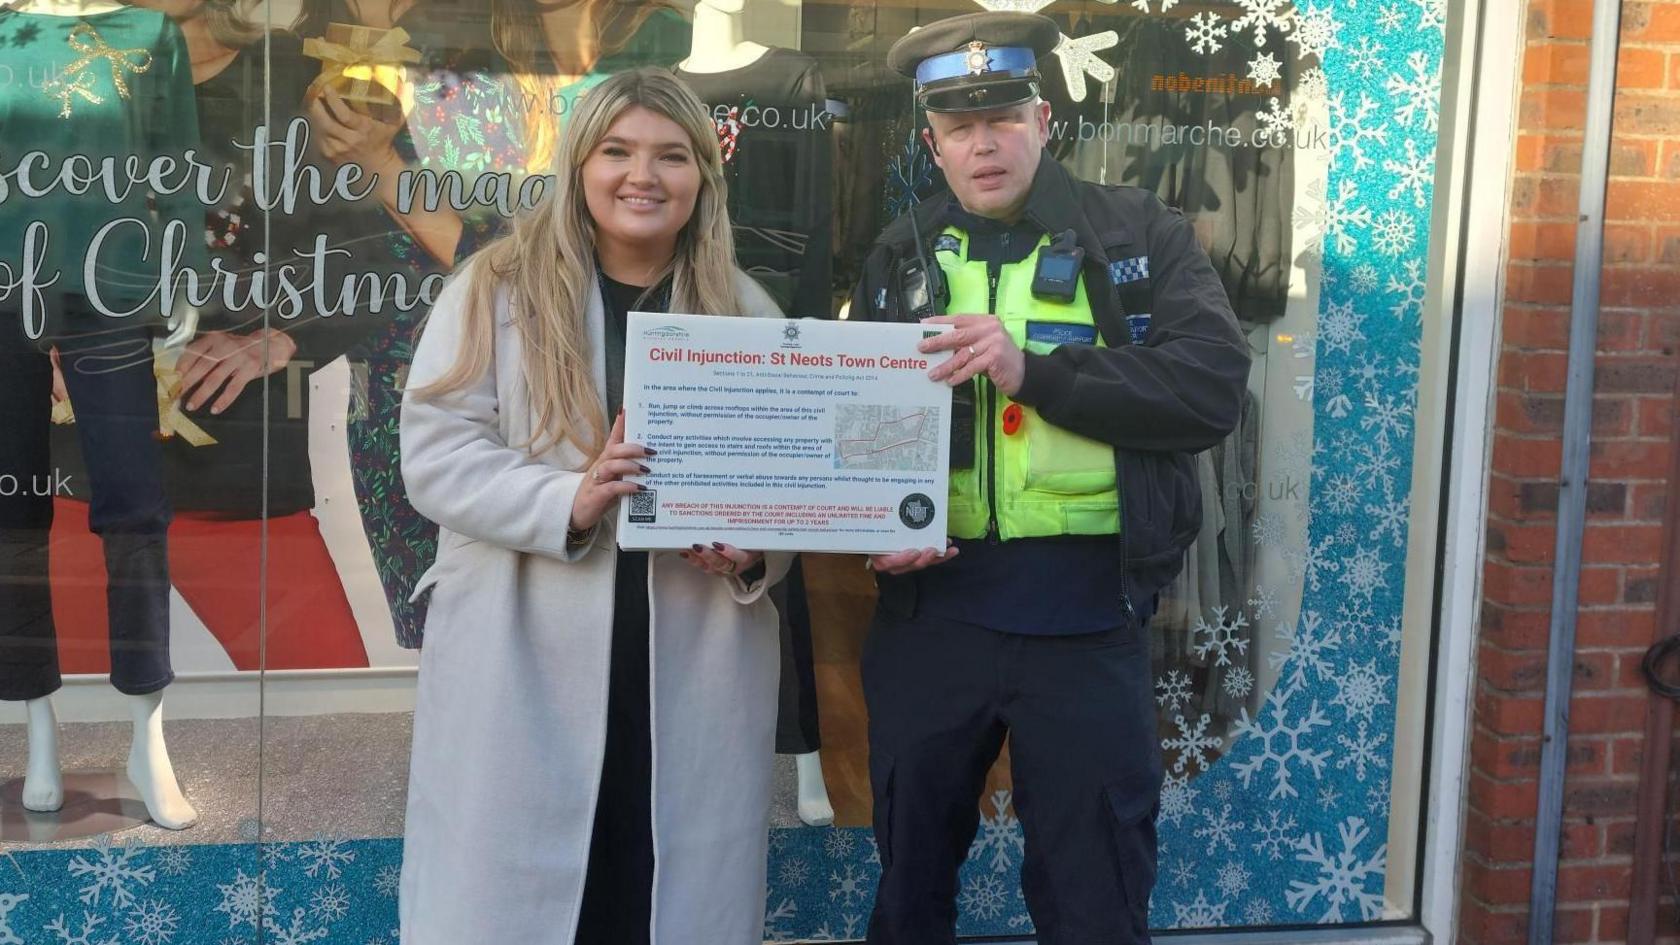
pixel 619 299
pixel 778 151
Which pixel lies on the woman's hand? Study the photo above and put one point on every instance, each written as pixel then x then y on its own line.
pixel 218 360
pixel 603 481
pixel 346 136
pixel 59 392
pixel 722 559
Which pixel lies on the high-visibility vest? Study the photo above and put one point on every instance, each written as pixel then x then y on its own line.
pixel 1030 478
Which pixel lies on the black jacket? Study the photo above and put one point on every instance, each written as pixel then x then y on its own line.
pixel 1176 392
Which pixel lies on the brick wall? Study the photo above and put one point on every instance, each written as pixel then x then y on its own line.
pixel 1632 422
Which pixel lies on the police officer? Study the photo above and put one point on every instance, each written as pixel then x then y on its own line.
pixel 1094 353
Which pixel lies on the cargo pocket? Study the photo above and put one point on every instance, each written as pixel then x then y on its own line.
pixel 1132 803
pixel 881 781
pixel 1064 462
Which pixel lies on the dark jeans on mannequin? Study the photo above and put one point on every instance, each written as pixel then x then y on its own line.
pixel 108 374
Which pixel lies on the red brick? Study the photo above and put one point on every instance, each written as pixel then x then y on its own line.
pixel 1637 114
pixel 1635 157
pixel 1632 287
pixel 1656 417
pixel 1597 881
pixel 1641 68
pixel 1513 584
pixel 1559 195
pixel 1641 200
pixel 1639 585
pixel 1527 543
pixel 1625 244
pixel 1601 713
pixel 1538 500
pixel 1581 841
pixel 1607 542
pixel 1480 925
pixel 1647 22
pixel 1612 921
pixel 1551 109
pixel 1629 459
pixel 1508 800
pixel 1509 714
pixel 1507 885
pixel 1601 798
pixel 1514 629
pixel 1627 754
pixel 1614 628
pixel 1668 243
pixel 1506 759
pixel 1572 925
pixel 1556 64
pixel 1631 375
pixel 1562 19
pixel 1561 156
pixel 1530 327
pixel 1595 671
pixel 1547 284
pixel 1649 501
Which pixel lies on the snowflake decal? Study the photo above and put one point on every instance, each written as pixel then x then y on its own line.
pixel 1276 834
pixel 1232 879
pixel 1264 15
pixel 1414 175
pixel 1364 572
pixel 1364 751
pixel 152 923
pixel 1178 799
pixel 329 903
pixel 1279 745
pixel 1000 841
pixel 1219 830
pixel 1342 876
pixel 9 902
pixel 297 932
pixel 1223 636
pixel 1315 31
pixel 1360 689
pixel 325 855
pixel 983 896
pixel 247 899
pixel 90 927
pixel 1192 743
pixel 1419 92
pixel 1238 682
pixel 1393 233
pixel 1307 647
pixel 1199 914
pixel 1205 33
pixel 1172 690
pixel 839 843
pixel 847 886
pixel 1264 69
pixel 113 870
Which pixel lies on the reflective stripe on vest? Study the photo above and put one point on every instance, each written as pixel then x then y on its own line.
pixel 1048 481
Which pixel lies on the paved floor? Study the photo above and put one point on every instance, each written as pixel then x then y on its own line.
pixel 339 775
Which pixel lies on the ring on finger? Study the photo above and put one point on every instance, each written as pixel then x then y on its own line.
pixel 595 474
pixel 972 354
pixel 731 568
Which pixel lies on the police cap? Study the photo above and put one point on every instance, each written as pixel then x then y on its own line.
pixel 975 61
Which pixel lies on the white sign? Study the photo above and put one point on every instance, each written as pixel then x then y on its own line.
pixel 785 435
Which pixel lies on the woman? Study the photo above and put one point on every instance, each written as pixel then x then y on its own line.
pixel 534 695
pixel 254 479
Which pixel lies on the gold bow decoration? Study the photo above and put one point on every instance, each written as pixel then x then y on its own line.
pixel 75 81
pixel 172 420
pixel 363 64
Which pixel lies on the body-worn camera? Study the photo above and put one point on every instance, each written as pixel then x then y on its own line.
pixel 1056 276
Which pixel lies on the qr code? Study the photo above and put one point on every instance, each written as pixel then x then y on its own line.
pixel 644 506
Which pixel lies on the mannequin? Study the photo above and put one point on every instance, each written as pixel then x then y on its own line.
pixel 770 107
pixel 119 87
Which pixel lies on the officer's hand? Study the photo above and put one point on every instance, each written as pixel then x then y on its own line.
pixel 915 559
pixel 982 346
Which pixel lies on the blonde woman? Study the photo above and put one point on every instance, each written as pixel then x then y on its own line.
pixel 594 728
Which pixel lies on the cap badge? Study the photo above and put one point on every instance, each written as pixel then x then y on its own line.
pixel 978 61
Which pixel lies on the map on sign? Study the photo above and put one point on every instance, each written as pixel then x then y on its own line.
pixel 905 439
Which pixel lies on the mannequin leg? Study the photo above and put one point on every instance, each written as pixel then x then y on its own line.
pixel 814 806
pixel 43 782
pixel 149 767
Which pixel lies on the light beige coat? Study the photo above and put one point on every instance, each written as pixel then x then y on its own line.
pixel 510 722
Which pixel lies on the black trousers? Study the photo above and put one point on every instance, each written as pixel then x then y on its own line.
pixel 1080 717
pixel 618 889
pixel 109 377
pixel 797 732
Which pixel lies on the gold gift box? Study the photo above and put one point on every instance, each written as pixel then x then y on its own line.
pixel 363 64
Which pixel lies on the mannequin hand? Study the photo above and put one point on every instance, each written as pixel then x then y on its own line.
pixel 218 360
pixel 59 392
pixel 722 559
pixel 346 136
pixel 603 480
pixel 982 346
pixel 915 559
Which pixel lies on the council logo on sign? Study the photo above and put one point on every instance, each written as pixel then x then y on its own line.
pixel 916 511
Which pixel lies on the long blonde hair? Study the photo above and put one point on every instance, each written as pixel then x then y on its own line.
pixel 547 265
